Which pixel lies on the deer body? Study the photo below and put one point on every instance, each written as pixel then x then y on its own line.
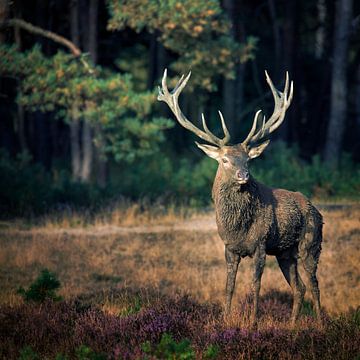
pixel 253 219
pixel 249 213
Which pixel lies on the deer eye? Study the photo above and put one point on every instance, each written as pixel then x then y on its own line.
pixel 225 160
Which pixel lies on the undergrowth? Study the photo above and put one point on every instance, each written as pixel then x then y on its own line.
pixel 43 288
pixel 171 328
pixel 26 189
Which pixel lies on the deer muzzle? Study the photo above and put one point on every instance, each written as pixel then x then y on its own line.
pixel 242 176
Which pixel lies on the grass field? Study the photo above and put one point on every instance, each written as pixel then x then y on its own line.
pixel 147 262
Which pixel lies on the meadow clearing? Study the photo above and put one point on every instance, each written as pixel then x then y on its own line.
pixel 127 263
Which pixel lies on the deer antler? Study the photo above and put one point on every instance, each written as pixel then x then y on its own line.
pixel 282 102
pixel 171 98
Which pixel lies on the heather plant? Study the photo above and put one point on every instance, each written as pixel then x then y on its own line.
pixel 71 330
pixel 43 288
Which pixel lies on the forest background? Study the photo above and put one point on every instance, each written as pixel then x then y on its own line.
pixel 81 127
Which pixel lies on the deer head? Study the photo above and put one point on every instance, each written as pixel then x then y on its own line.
pixel 233 159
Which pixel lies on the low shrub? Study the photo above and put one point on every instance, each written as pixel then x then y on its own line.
pixel 43 288
pixel 27 189
pixel 169 349
pixel 171 328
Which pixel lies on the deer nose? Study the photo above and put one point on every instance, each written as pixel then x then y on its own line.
pixel 242 175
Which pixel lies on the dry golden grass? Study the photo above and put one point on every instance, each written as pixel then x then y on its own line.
pixel 168 253
pixel 124 214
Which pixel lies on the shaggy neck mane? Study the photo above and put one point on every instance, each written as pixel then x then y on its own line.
pixel 236 205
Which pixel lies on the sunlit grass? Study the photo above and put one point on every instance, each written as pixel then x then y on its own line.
pixel 172 252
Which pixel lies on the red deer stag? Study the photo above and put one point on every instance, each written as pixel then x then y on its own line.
pixel 254 219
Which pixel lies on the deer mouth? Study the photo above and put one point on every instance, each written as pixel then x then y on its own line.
pixel 242 182
pixel 241 177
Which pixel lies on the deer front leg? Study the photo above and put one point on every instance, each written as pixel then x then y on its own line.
pixel 232 262
pixel 259 264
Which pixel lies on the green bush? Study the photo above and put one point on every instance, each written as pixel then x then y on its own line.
pixel 169 349
pixel 211 352
pixel 189 182
pixel 282 167
pixel 27 353
pixel 27 189
pixel 85 353
pixel 43 288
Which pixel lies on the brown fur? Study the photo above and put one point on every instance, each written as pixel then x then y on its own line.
pixel 255 220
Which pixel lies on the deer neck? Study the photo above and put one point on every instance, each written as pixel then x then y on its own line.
pixel 224 188
pixel 235 205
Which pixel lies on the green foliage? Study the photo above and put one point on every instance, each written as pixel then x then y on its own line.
pixel 211 352
pixel 356 317
pixel 27 189
pixel 307 309
pixel 85 353
pixel 169 349
pixel 43 288
pixel 198 31
pixel 22 186
pixel 62 84
pixel 61 357
pixel 176 179
pixel 27 353
pixel 133 308
pixel 282 167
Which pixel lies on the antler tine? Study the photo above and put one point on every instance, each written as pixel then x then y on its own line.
pixel 226 139
pixel 171 98
pixel 282 101
pixel 253 128
pixel 212 136
pixel 163 90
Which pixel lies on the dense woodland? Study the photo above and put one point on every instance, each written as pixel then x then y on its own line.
pixel 80 124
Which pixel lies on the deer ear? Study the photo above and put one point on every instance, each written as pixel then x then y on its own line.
pixel 256 151
pixel 209 150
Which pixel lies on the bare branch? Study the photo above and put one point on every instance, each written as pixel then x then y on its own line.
pixel 49 35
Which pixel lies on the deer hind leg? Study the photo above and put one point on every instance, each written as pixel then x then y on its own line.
pixel 310 248
pixel 232 262
pixel 289 267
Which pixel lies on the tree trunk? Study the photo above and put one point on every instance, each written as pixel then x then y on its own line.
pixel 92 48
pixel 229 85
pixel 229 90
pixel 286 63
pixel 357 108
pixel 277 37
pixel 320 32
pixel 336 125
pixel 75 127
pixel 20 108
pixel 152 62
pixel 87 148
pixel 75 144
pixel 89 10
pixel 4 11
